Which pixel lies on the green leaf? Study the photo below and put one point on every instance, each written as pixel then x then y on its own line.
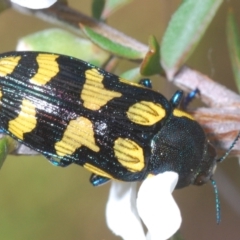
pixel 233 38
pixel 63 42
pixel 7 145
pixel 97 8
pixel 151 63
pixel 110 45
pixel 132 75
pixel 112 6
pixel 3 150
pixel 184 31
pixel 12 144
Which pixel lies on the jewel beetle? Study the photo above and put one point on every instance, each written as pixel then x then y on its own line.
pixel 74 112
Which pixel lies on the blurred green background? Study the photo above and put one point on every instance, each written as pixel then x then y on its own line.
pixel 39 201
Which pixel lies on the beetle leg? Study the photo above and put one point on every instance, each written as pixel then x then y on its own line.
pixel 190 96
pixel 146 83
pixel 61 163
pixel 97 180
pixel 176 98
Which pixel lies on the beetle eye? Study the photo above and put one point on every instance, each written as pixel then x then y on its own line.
pixel 208 166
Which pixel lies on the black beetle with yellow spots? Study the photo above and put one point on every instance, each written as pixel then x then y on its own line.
pixel 73 112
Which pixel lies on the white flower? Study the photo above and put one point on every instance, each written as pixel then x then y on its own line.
pixel 34 4
pixel 154 205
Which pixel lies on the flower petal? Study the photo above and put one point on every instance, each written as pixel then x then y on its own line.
pixel 121 212
pixel 34 4
pixel 157 207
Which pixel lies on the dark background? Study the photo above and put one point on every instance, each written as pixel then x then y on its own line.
pixel 39 201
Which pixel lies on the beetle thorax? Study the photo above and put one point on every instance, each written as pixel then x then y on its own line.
pixel 181 146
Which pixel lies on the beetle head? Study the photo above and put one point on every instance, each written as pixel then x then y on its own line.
pixel 207 166
pixel 208 170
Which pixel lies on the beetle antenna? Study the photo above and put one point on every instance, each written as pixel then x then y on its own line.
pixel 217 202
pixel 230 148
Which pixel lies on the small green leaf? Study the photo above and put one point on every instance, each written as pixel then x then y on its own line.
pixel 97 8
pixel 116 48
pixel 12 144
pixel 233 38
pixel 132 75
pixel 184 31
pixel 112 6
pixel 151 63
pixel 63 42
pixel 3 150
pixel 7 145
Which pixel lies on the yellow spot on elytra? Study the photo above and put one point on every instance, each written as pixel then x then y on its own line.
pixel 47 69
pixel 25 121
pixel 96 170
pixel 93 93
pixel 179 113
pixel 79 132
pixel 131 83
pixel 146 113
pixel 150 175
pixel 129 154
pixel 8 64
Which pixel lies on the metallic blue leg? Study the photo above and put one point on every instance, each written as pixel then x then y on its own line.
pixel 186 101
pixel 58 163
pixel 176 98
pixel 146 83
pixel 97 180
